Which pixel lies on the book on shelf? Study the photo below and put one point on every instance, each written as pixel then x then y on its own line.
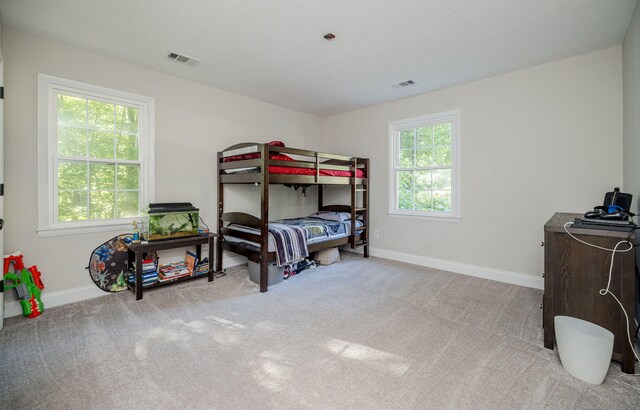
pixel 190 260
pixel 149 282
pixel 172 271
pixel 147 278
pixel 173 277
pixel 148 264
pixel 202 268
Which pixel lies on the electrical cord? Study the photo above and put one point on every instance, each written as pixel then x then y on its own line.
pixel 223 272
pixel 596 246
pixel 606 291
pixel 202 222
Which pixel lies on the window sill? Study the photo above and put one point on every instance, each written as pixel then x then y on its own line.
pixel 455 219
pixel 116 228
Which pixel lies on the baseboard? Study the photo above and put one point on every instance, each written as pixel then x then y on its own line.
pixel 462 268
pixel 53 299
pixel 62 297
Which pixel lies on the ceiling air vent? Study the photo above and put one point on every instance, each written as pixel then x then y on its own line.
pixel 403 84
pixel 182 58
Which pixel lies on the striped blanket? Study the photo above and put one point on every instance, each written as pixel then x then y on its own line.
pixel 290 241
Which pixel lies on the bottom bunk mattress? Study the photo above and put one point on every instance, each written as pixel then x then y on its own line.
pixel 316 230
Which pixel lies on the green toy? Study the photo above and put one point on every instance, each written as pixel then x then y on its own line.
pixel 26 285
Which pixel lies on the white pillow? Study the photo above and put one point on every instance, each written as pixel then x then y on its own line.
pixel 332 216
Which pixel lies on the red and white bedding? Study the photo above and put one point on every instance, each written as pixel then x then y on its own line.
pixel 290 170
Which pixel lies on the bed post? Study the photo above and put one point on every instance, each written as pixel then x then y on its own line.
pixel 264 217
pixel 320 186
pixel 365 205
pixel 218 266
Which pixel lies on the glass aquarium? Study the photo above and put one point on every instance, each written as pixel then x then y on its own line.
pixel 172 220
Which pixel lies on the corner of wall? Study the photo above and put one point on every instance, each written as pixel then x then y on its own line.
pixel 631 103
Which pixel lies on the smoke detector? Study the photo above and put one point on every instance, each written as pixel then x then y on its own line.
pixel 329 36
pixel 403 84
pixel 181 58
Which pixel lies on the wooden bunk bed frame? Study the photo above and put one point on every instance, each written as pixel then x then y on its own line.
pixel 317 161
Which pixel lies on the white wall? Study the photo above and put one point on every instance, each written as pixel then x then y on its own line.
pixel 631 98
pixel 193 122
pixel 533 142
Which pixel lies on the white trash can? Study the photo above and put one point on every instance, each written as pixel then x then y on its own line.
pixel 585 348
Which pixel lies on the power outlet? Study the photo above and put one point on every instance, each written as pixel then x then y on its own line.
pixel 376 233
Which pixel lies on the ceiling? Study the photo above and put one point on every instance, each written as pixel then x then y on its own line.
pixel 274 51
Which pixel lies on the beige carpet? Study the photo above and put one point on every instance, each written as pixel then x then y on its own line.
pixel 362 334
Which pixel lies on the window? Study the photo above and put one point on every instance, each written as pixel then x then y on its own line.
pixel 424 166
pixel 95 157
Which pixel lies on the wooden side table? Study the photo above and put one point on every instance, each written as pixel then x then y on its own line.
pixel 575 272
pixel 137 250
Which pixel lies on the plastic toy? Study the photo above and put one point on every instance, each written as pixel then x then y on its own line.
pixel 26 284
pixel 35 273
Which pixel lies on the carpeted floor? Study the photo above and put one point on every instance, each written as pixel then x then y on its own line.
pixel 361 334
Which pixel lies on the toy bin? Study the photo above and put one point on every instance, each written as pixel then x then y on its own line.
pixel 172 220
pixel 276 274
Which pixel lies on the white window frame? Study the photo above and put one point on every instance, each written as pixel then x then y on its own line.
pixel 48 87
pixel 394 145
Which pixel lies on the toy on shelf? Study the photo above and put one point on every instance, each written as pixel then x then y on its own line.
pixel 136 233
pixel 26 284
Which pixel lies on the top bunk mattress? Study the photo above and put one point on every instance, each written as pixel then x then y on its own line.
pixel 309 171
pixel 279 169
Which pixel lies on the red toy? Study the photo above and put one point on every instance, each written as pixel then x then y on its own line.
pixel 26 284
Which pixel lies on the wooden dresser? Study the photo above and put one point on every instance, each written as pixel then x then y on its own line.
pixel 575 272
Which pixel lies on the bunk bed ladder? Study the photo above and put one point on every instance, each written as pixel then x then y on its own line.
pixel 364 210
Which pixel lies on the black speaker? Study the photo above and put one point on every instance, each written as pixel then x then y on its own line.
pixel 618 198
pixel 615 207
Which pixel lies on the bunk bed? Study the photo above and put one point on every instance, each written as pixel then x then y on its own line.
pixel 273 163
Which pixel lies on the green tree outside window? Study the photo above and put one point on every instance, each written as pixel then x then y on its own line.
pixel 98 159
